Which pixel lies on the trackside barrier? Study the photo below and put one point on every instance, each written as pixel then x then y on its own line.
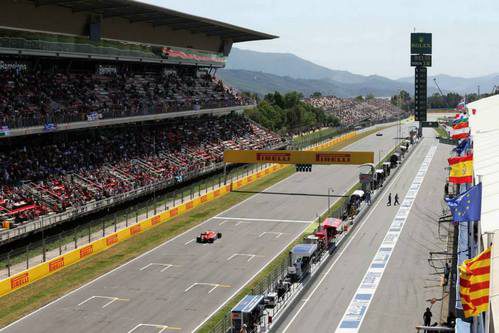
pixel 42 270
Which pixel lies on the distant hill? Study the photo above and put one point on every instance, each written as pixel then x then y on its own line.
pixel 461 85
pixel 286 64
pixel 263 83
pixel 264 72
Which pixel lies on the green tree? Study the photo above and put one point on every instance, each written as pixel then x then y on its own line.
pixel 316 94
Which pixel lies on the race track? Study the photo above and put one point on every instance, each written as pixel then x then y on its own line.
pixel 179 284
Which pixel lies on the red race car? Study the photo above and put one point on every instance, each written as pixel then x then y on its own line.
pixel 208 236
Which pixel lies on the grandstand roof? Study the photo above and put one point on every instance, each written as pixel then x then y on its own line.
pixel 136 11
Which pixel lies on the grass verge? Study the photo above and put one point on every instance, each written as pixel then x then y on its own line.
pixel 39 293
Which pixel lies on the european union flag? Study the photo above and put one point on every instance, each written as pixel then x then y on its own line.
pixel 467 206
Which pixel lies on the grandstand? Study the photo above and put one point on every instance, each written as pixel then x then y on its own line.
pixel 109 100
pixel 351 111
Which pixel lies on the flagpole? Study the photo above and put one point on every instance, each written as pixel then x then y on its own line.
pixel 491 279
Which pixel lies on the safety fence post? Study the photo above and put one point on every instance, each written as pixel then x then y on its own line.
pixel 44 250
pixel 60 243
pixel 74 237
pixel 103 227
pixel 27 256
pixel 115 222
pixel 126 218
pixel 8 263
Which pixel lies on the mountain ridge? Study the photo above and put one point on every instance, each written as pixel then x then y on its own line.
pixel 287 72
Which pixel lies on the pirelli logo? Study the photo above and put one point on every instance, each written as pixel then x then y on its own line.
pixel 173 212
pixel 135 229
pixel 110 240
pixel 19 280
pixel 56 264
pixel 273 157
pixel 189 205
pixel 333 157
pixel 86 251
pixel 204 198
pixel 155 220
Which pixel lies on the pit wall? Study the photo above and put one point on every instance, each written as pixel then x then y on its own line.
pixel 45 269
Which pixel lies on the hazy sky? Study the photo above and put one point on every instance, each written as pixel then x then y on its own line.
pixel 366 37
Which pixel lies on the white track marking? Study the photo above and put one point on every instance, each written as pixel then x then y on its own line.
pixel 161 328
pixel 213 285
pixel 110 300
pixel 346 245
pixel 188 242
pixel 165 266
pixel 359 305
pixel 249 255
pixel 277 234
pixel 261 220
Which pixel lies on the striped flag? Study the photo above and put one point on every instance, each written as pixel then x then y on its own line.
pixel 460 133
pixel 474 281
pixel 461 169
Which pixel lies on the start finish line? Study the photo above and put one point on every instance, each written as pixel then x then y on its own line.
pixel 298 157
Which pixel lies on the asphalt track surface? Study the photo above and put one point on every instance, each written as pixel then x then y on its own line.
pixel 180 284
pixel 407 283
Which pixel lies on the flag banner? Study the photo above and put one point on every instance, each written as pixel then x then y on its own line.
pixel 462 146
pixel 462 124
pixel 474 282
pixel 467 206
pixel 461 169
pixel 460 118
pixel 460 133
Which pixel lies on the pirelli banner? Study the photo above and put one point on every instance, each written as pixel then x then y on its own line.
pixel 298 157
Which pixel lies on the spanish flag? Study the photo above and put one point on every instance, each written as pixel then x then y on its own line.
pixel 474 281
pixel 461 169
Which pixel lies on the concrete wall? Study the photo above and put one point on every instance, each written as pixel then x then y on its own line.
pixel 25 15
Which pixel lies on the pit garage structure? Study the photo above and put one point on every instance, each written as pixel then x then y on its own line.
pixel 484 124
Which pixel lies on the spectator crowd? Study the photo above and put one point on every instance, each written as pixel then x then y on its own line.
pixel 55 171
pixel 49 95
pixel 352 111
